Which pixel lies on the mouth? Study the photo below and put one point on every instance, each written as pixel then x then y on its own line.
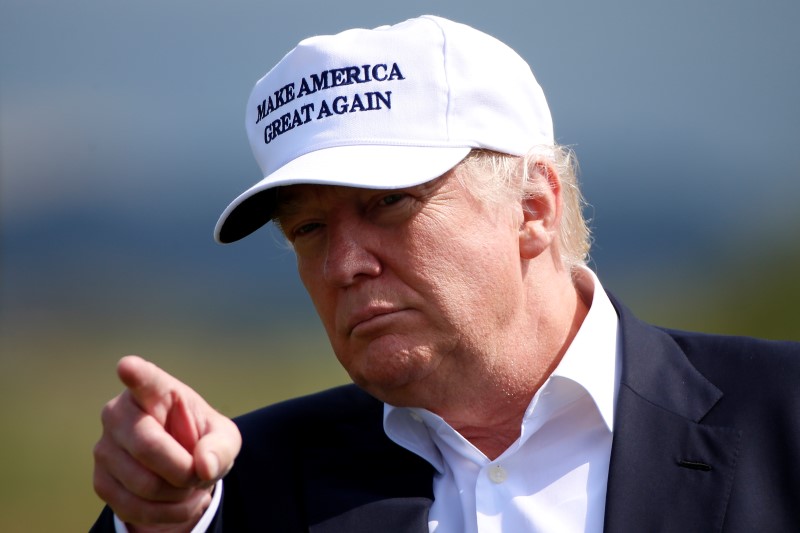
pixel 370 320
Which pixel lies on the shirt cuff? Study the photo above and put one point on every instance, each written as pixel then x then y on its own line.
pixel 202 525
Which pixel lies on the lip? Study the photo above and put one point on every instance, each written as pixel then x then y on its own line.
pixel 367 317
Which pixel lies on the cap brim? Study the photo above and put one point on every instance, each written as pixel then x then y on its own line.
pixel 362 166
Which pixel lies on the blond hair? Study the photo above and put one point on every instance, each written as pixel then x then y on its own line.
pixel 499 177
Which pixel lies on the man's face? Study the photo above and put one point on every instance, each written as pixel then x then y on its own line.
pixel 414 286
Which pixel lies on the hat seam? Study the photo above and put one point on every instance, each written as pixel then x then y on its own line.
pixel 446 76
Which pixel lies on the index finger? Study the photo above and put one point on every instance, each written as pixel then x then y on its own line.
pixel 151 387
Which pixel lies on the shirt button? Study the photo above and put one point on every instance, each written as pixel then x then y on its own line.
pixel 415 417
pixel 497 474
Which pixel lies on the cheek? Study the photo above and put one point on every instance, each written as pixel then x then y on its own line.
pixel 472 253
pixel 465 274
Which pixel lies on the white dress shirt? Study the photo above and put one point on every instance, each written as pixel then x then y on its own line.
pixel 553 478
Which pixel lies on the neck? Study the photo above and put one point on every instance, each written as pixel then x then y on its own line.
pixel 491 416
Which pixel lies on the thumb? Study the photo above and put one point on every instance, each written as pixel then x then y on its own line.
pixel 216 450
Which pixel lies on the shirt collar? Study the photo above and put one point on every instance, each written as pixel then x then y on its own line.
pixel 593 359
pixel 408 427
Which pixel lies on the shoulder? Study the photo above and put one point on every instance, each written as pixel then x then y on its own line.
pixel 753 375
pixel 747 345
pixel 756 376
pixel 718 357
pixel 760 357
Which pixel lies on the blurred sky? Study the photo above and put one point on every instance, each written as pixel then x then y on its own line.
pixel 122 139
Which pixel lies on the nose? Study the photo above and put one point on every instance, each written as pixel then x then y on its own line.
pixel 349 256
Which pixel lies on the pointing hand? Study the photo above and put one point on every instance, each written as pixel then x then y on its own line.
pixel 162 450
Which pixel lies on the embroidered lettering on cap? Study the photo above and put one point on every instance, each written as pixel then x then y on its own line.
pixel 328 79
pixel 283 96
pixel 340 105
pixel 348 76
pixel 288 121
pixel 369 101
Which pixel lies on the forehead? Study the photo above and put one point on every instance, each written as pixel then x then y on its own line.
pixel 291 198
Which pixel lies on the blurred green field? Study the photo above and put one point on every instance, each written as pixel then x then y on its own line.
pixel 55 377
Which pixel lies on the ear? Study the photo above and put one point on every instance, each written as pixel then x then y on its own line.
pixel 541 213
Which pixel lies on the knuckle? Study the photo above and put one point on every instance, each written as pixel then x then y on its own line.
pixel 101 485
pixel 107 413
pixel 133 510
pixel 98 451
pixel 101 451
pixel 111 411
pixel 141 509
pixel 145 486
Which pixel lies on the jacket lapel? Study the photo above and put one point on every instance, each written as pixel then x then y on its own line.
pixel 668 471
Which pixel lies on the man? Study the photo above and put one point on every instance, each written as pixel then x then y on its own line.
pixel 438 231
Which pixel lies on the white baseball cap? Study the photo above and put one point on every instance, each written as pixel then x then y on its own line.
pixel 386 108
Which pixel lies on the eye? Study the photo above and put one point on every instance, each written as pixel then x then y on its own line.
pixel 392 199
pixel 305 229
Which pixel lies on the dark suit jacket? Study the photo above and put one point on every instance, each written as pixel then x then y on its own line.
pixel 706 439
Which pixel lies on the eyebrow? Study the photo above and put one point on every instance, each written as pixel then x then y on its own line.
pixel 286 203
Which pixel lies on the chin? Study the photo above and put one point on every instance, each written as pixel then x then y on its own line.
pixel 393 377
